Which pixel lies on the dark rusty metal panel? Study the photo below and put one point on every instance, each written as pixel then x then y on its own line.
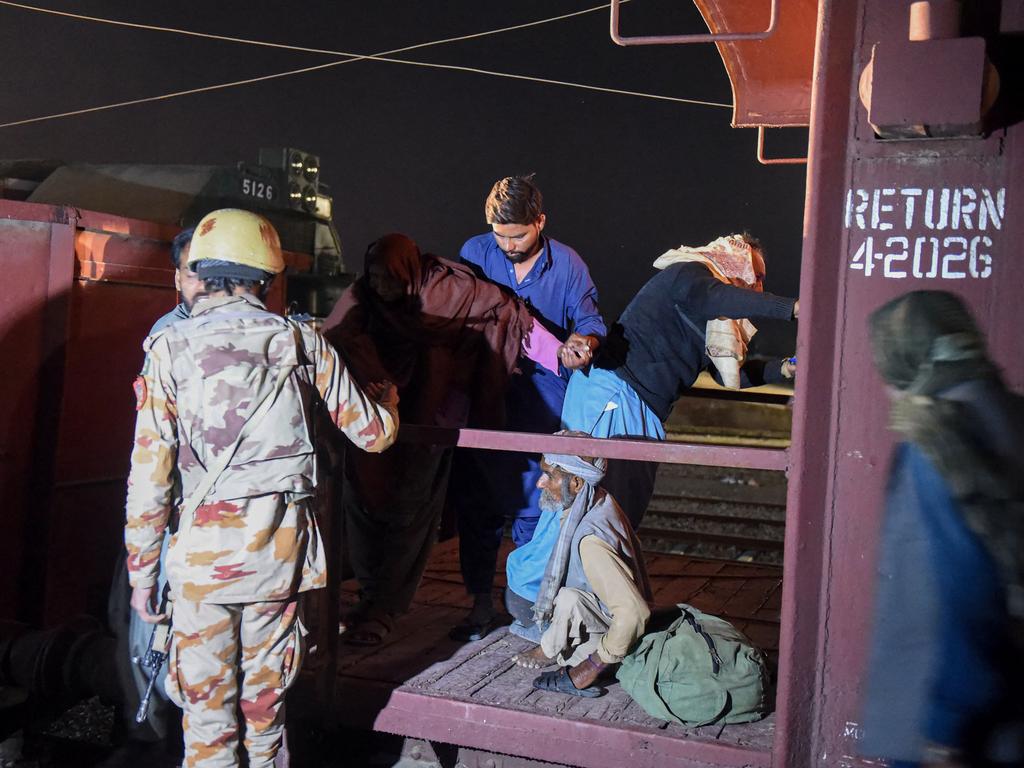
pixel 99 221
pixel 771 79
pixel 86 288
pixel 104 355
pixel 25 254
pixel 896 251
pixel 48 381
pixel 20 211
pixel 124 258
pixel 1011 19
pixel 904 96
pixel 634 450
pixel 85 538
pixel 596 745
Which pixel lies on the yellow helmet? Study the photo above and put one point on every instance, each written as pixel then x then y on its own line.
pixel 243 242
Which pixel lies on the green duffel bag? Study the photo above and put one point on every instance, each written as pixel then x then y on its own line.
pixel 701 670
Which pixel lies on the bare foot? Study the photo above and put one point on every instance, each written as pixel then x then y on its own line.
pixel 533 659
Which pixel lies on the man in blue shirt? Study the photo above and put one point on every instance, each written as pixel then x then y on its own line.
pixel 490 487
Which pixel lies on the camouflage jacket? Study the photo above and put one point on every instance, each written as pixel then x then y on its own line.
pixel 254 537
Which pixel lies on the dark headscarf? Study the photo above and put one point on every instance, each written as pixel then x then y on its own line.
pixel 927 341
pixel 925 344
pixel 402 260
pixel 449 344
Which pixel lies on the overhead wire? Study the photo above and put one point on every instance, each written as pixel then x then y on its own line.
pixel 298 48
pixel 349 57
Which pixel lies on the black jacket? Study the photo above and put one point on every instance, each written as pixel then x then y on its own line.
pixel 657 345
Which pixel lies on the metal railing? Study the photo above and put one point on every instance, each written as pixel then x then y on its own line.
pixel 710 37
pixel 631 449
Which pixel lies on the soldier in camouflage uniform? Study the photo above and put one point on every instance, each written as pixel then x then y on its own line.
pixel 227 397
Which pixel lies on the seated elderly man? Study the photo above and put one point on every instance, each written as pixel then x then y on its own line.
pixel 593 603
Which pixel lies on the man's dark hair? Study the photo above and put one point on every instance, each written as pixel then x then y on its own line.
pixel 227 275
pixel 256 287
pixel 179 243
pixel 753 242
pixel 514 200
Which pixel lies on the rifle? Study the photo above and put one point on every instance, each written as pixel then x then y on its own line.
pixel 155 656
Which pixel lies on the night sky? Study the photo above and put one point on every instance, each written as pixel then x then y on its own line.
pixel 414 149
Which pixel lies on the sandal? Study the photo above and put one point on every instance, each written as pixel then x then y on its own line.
pixel 469 631
pixel 355 615
pixel 369 631
pixel 558 681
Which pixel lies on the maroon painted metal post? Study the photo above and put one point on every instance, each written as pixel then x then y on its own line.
pixel 882 217
pixel 804 580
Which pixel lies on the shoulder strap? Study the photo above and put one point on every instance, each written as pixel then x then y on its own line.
pixel 302 354
pixel 217 467
pixel 687 622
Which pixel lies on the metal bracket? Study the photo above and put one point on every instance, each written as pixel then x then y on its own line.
pixel 725 37
pixel 774 160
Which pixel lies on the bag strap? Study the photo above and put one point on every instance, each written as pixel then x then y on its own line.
pixel 689 621
pixel 216 469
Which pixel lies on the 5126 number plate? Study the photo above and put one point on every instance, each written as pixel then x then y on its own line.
pixel 261 190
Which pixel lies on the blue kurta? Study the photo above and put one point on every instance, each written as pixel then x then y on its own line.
pixel 492 487
pixel 560 292
pixel 612 409
pixel 940 627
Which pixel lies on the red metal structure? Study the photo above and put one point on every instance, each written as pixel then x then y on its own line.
pixel 84 289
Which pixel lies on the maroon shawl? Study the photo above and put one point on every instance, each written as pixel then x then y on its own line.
pixel 449 343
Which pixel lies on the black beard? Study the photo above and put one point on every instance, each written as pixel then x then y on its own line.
pixel 516 257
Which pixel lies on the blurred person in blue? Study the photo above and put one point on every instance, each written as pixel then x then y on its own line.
pixel 944 676
pixel 491 487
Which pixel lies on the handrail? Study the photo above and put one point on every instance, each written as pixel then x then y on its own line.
pixel 774 160
pixel 610 448
pixel 723 37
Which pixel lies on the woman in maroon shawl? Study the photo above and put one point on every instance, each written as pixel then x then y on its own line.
pixel 449 341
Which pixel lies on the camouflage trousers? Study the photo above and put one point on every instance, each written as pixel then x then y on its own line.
pixel 228 670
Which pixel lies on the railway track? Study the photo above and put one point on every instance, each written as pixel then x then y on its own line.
pixel 724 513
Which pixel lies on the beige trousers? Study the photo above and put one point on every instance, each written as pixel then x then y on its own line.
pixel 577 626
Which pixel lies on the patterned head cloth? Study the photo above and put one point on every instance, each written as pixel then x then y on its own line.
pixel 725 341
pixel 730 257
pixel 558 563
